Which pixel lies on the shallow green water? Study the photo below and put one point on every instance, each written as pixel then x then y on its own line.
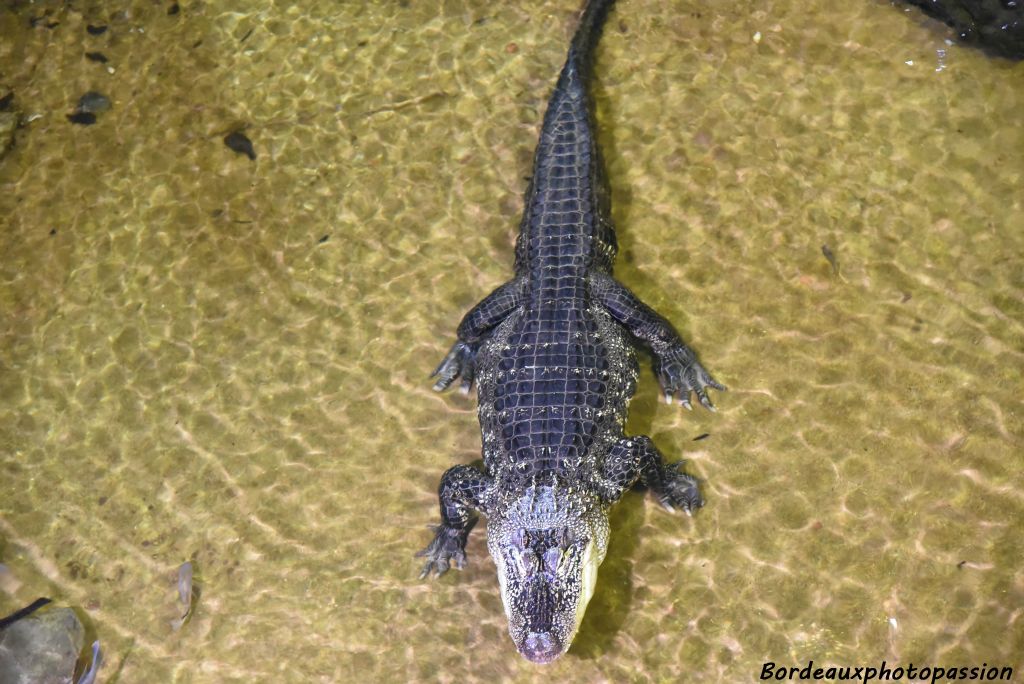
pixel 188 372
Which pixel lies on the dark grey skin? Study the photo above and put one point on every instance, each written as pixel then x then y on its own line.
pixel 552 355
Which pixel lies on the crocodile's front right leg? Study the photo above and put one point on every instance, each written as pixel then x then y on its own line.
pixel 463 489
pixel 474 327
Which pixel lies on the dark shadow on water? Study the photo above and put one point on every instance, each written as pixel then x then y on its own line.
pixel 614 593
pixel 613 596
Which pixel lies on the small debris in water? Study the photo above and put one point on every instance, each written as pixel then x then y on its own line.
pixel 511 48
pixel 96 30
pixel 757 38
pixel 173 9
pixel 323 239
pixel 831 258
pixel 24 612
pixel 97 57
pixel 9 122
pixel 89 676
pixel 961 564
pixel 186 593
pixel 238 142
pixel 701 436
pixel 41 21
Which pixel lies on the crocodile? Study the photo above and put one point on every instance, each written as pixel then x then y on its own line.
pixel 552 355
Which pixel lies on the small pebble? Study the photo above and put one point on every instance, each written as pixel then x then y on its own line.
pixel 238 142
pixel 96 30
pixel 93 102
pixel 96 57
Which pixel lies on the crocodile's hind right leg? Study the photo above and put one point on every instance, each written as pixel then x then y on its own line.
pixel 636 459
pixel 473 329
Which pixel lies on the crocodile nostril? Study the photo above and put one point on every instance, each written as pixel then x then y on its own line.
pixel 541 647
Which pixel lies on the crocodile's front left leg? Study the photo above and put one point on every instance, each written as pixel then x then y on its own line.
pixel 636 459
pixel 675 364
pixel 474 327
pixel 463 489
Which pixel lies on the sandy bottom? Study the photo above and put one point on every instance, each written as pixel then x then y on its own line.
pixel 210 358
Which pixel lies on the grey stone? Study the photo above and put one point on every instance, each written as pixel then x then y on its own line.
pixel 41 648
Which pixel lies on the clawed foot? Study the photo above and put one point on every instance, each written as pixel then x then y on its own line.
pixel 447 547
pixel 680 373
pixel 458 363
pixel 678 490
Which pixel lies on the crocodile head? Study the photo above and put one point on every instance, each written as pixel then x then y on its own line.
pixel 547 545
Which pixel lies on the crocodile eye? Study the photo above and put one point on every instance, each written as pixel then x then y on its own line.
pixel 526 561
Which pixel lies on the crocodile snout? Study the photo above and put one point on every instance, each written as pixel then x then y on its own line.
pixel 541 647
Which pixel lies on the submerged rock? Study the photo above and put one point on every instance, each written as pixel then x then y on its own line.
pixel 994 25
pixel 88 106
pixel 41 648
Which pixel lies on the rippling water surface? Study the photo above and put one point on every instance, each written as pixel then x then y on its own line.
pixel 211 358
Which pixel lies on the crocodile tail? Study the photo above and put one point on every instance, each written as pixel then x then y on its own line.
pixel 567 168
pixel 581 50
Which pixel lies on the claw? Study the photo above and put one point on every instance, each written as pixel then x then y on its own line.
pixel 685 401
pixel 457 363
pixel 702 396
pixel 447 376
pixel 443 550
pixel 668 397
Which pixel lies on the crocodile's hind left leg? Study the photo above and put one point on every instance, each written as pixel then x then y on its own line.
pixel 463 490
pixel 474 327
pixel 636 459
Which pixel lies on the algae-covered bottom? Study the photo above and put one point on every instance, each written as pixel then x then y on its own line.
pixel 220 359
